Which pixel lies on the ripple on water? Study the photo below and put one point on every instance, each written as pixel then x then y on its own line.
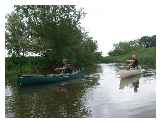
pixel 101 94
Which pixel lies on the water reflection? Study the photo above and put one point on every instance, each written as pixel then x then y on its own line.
pixel 60 100
pixel 136 86
pixel 132 82
pixel 100 94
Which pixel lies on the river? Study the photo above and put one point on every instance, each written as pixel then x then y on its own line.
pixel 101 94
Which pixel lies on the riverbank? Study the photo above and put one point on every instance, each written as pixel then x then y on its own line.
pixel 146 56
pixel 15 67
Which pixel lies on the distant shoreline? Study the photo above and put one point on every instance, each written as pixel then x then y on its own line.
pixel 146 56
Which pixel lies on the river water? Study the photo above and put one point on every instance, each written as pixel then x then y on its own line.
pixel 101 94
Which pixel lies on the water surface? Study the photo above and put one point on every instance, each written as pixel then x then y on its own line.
pixel 101 94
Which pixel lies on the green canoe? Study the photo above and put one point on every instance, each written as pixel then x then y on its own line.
pixel 25 80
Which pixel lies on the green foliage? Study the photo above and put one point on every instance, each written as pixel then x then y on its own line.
pixel 122 48
pixel 15 35
pixel 147 41
pixel 144 48
pixel 52 32
pixel 146 56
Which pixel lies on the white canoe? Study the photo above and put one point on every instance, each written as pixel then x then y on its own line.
pixel 129 73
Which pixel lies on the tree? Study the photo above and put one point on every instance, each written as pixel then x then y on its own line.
pixel 125 47
pixel 16 36
pixel 147 41
pixel 53 32
pixel 153 41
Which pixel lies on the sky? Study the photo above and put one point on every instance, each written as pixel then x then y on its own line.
pixel 119 20
pixel 111 21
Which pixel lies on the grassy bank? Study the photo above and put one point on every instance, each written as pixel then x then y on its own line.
pixel 146 56
pixel 17 66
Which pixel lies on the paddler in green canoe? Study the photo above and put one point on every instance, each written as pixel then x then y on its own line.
pixel 66 68
pixel 133 62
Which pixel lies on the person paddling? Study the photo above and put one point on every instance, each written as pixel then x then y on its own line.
pixel 133 62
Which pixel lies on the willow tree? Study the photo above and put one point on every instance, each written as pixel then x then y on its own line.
pixel 53 32
pixel 16 36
